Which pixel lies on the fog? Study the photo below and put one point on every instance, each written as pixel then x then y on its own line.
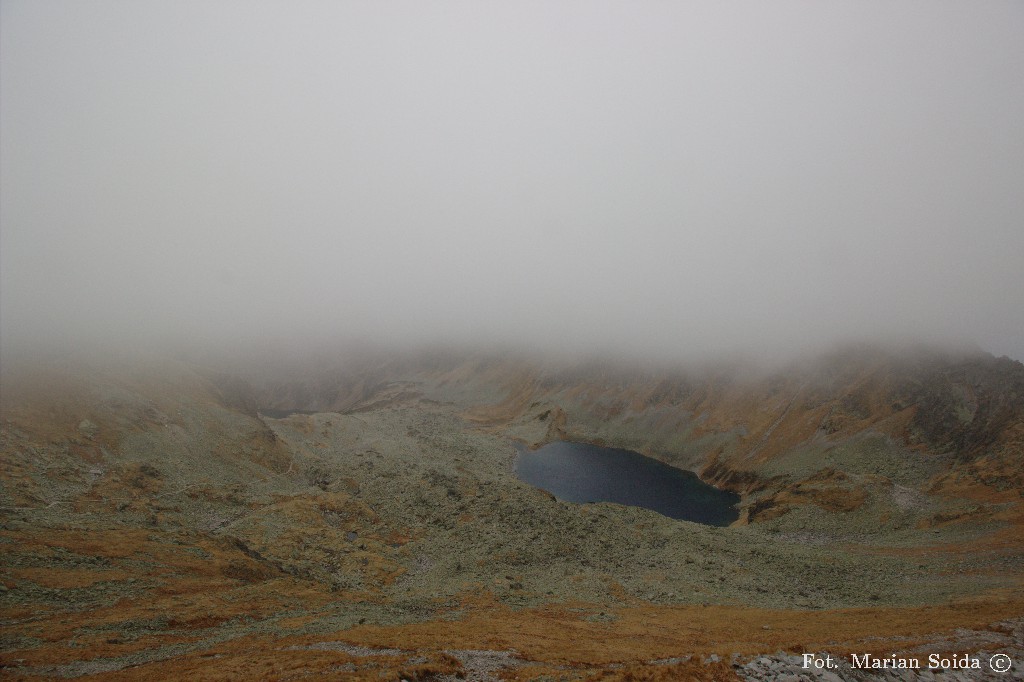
pixel 665 179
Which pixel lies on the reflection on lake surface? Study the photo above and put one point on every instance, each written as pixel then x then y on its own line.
pixel 578 472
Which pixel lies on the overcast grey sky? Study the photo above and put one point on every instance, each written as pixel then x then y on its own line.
pixel 666 177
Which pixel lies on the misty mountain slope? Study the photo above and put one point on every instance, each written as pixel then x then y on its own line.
pixel 150 511
pixel 870 434
pixel 920 419
pixel 168 422
pixel 411 481
pixel 848 445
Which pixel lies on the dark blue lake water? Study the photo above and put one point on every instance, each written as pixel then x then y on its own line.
pixel 577 472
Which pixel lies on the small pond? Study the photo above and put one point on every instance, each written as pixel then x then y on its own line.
pixel 578 472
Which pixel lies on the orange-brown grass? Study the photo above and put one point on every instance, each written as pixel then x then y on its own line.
pixel 65 578
pixel 557 639
pixel 687 671
pixel 195 595
pixel 260 658
pixel 558 634
pixel 189 591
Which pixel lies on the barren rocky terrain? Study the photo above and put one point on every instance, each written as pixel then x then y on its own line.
pixel 159 523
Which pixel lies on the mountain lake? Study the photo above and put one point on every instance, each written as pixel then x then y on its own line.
pixel 578 472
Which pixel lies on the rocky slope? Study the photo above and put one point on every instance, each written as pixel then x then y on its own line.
pixel 828 433
pixel 158 523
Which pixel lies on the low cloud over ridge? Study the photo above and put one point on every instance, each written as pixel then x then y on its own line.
pixel 649 179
